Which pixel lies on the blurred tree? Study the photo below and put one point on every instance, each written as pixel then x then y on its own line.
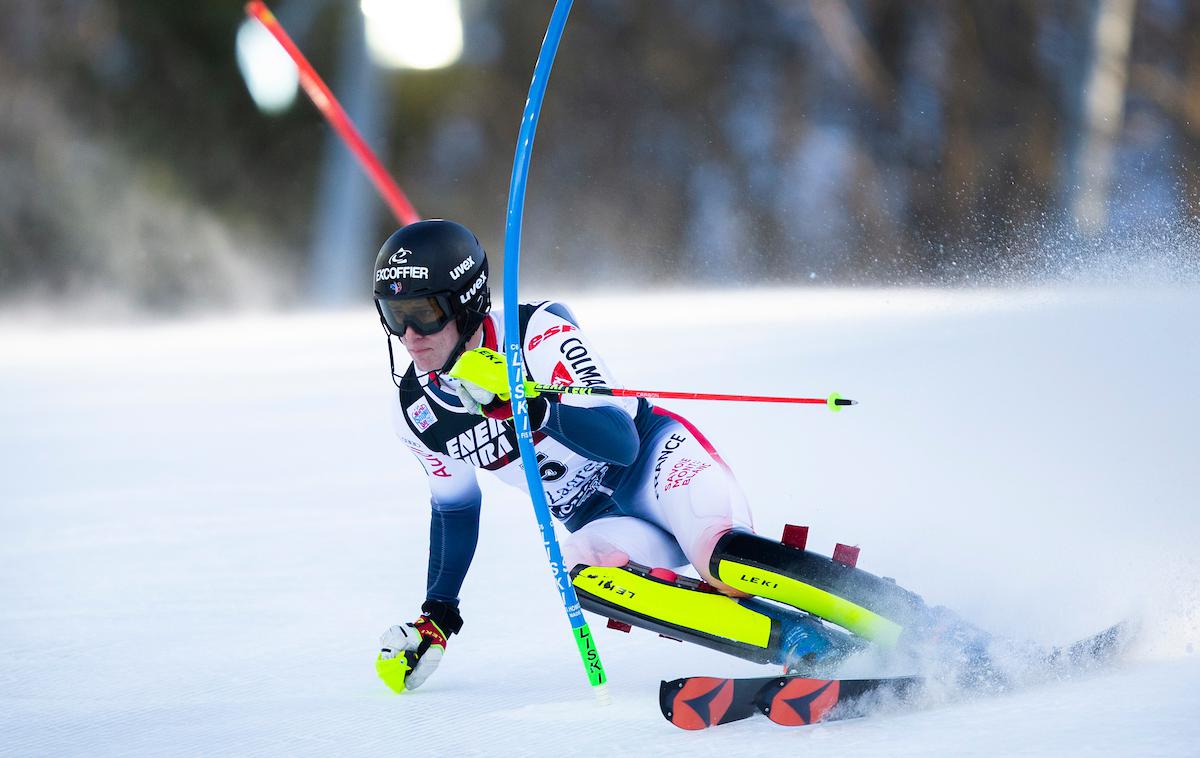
pixel 683 141
pixel 1104 111
pixel 1166 73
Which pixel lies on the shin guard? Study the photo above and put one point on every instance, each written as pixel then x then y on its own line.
pixel 680 609
pixel 876 609
pixel 688 610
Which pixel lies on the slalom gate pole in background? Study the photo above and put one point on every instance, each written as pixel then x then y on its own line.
pixel 333 112
pixel 512 347
pixel 834 401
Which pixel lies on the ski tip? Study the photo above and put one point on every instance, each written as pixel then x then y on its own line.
pixel 696 702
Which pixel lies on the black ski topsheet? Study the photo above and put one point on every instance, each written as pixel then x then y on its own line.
pixel 698 702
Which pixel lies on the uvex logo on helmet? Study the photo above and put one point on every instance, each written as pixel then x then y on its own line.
pixel 478 285
pixel 462 268
pixel 400 257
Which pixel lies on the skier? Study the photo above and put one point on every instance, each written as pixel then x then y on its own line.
pixel 636 486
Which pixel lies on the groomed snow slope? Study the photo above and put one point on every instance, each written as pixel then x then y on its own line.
pixel 204 526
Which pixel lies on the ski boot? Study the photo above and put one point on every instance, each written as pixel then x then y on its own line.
pixel 808 646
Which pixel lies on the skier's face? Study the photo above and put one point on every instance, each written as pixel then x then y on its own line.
pixel 430 351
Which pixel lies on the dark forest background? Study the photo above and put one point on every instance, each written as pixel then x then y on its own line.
pixel 682 142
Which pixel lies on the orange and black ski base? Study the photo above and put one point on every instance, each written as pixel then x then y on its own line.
pixel 698 702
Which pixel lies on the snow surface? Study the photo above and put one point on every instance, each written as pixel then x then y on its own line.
pixel 204 526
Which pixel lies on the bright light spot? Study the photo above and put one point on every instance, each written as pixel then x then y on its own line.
pixel 270 75
pixel 421 34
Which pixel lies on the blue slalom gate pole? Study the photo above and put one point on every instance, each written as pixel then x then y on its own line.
pixel 512 348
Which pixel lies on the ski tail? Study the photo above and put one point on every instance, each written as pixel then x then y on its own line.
pixel 1101 649
pixel 796 701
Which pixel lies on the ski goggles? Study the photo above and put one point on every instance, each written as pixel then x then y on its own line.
pixel 426 315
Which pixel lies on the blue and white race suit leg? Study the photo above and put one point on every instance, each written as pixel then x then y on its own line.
pixel 682 500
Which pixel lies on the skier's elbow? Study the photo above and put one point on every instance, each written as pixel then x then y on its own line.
pixel 628 450
pixel 623 444
pixel 603 434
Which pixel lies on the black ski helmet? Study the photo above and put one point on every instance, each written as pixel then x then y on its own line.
pixel 430 273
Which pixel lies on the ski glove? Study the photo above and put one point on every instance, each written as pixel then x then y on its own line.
pixel 410 653
pixel 483 387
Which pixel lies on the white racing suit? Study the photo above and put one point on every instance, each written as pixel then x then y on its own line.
pixel 635 484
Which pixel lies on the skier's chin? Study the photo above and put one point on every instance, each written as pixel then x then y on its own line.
pixel 426 360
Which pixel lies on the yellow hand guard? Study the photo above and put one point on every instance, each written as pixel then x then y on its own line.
pixel 393 672
pixel 486 369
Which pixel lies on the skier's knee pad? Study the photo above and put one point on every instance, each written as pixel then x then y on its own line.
pixel 701 512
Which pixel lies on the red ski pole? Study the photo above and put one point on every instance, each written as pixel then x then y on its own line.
pixel 835 402
pixel 333 112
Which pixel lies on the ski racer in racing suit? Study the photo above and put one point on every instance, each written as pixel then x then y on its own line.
pixel 635 485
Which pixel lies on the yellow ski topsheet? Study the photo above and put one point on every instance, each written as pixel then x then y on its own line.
pixel 710 613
